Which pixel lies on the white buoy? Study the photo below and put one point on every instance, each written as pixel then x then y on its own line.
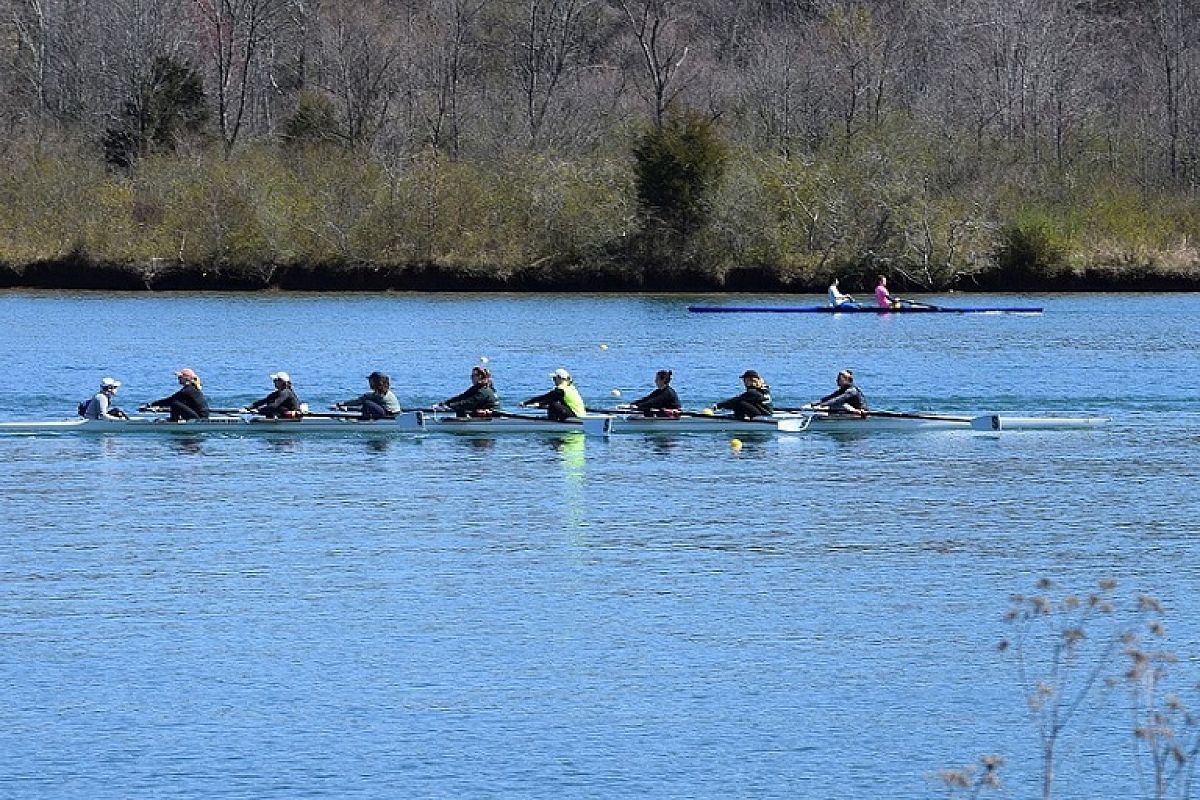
pixel 603 346
pixel 483 359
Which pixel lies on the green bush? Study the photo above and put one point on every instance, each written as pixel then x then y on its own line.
pixel 678 167
pixel 1029 246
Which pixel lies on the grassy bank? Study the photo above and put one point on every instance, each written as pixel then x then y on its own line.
pixel 329 218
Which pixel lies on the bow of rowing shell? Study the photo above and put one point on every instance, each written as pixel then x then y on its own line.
pixel 423 422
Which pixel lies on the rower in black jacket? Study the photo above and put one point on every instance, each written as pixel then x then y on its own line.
pixel 754 402
pixel 479 399
pixel 662 401
pixel 188 403
pixel 848 398
pixel 282 402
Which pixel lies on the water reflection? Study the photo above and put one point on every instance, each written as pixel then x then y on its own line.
pixel 188 445
pixel 573 456
pixel 482 443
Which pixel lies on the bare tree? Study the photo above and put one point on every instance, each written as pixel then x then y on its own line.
pixel 231 33
pixel 442 42
pixel 551 41
pixel 656 27
pixel 361 46
pixel 32 30
pixel 1172 32
pixel 861 41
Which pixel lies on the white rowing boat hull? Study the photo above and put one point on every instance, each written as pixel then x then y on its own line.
pixel 410 422
pixel 419 422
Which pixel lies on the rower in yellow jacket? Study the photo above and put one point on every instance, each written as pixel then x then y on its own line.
pixel 563 401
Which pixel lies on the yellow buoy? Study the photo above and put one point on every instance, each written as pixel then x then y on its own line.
pixel 615 392
pixel 603 346
pixel 708 412
pixel 736 444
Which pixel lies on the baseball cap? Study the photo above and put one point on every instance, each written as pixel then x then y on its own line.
pixel 107 382
pixel 561 374
pixel 281 376
pixel 186 372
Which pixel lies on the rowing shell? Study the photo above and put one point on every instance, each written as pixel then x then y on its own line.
pixel 421 422
pixel 921 309
pixel 901 421
pixel 408 422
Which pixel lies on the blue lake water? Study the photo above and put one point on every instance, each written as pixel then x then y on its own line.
pixel 539 616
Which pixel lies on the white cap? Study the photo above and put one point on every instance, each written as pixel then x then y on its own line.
pixel 281 376
pixel 107 382
pixel 561 374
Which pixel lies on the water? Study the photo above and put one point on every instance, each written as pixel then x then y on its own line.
pixel 534 616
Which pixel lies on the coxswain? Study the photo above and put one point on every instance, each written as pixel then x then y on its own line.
pixel 839 300
pixel 848 399
pixel 282 402
pixel 100 406
pixel 754 402
pixel 563 401
pixel 479 399
pixel 187 403
pixel 379 403
pixel 663 401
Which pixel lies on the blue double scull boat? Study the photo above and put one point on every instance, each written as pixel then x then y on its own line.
pixel 922 308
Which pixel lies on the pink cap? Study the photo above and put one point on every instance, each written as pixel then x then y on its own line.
pixel 186 373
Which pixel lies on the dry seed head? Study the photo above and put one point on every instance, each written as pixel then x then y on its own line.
pixel 956 778
pixel 1147 603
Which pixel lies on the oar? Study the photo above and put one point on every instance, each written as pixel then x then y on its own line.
pixel 916 303
pixel 591 426
pixel 702 415
pixel 893 414
pixel 529 417
pixel 333 414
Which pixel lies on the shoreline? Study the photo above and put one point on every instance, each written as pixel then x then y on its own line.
pixel 73 275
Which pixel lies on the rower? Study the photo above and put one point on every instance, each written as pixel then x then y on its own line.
pixel 563 401
pixel 754 402
pixel 663 401
pixel 100 405
pixel 187 403
pixel 379 403
pixel 282 402
pixel 848 399
pixel 479 399
pixel 839 300
pixel 884 298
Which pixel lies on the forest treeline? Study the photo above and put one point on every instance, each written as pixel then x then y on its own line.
pixel 600 143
